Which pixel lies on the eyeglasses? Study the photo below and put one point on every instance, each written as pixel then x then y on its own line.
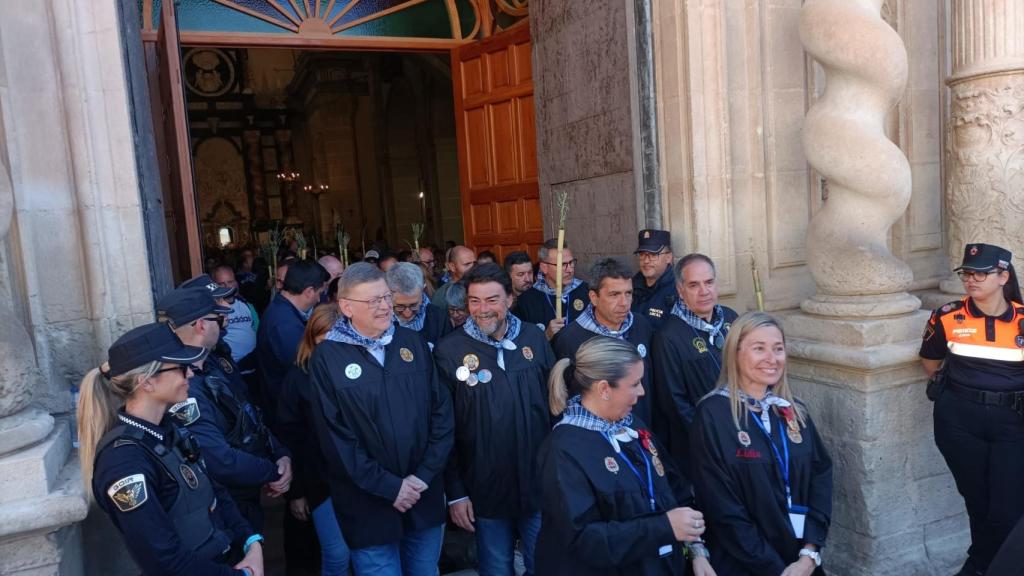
pixel 375 302
pixel 975 275
pixel 428 263
pixel 399 308
pixel 650 255
pixel 565 265
pixel 218 319
pixel 183 368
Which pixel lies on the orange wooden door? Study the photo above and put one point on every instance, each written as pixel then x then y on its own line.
pixel 497 143
pixel 174 148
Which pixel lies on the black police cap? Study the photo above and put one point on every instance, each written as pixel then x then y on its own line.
pixel 204 281
pixel 985 258
pixel 651 240
pixel 185 305
pixel 149 343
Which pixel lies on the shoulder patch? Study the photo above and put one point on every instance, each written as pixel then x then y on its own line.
pixel 949 307
pixel 129 492
pixel 185 412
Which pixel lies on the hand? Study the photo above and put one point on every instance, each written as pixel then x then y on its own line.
pixel 299 508
pixel 687 524
pixel 253 561
pixel 281 485
pixel 462 514
pixel 701 567
pixel 554 326
pixel 802 567
pixel 408 495
pixel 418 484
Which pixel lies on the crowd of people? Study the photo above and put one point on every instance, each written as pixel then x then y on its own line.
pixel 626 424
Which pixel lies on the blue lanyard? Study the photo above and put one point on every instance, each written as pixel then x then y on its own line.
pixel 551 303
pixel 647 465
pixel 782 460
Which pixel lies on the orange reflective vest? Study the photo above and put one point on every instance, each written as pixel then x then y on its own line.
pixel 973 337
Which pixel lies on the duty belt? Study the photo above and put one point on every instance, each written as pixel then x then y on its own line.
pixel 1013 400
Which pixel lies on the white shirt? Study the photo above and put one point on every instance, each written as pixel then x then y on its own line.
pixel 241 330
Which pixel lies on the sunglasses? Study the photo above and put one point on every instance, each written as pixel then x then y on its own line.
pixel 183 368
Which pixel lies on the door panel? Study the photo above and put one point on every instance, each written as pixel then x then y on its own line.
pixel 496 136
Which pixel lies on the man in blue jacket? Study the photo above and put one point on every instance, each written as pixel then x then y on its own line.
pixel 654 287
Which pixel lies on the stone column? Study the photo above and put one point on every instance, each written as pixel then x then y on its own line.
pixel 985 130
pixel 853 347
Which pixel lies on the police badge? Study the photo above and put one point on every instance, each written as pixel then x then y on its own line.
pixel 225 363
pixel 189 476
pixel 129 492
pixel 185 412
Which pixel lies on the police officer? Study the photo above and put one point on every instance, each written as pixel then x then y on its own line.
pixel 242 454
pixel 976 345
pixel 654 290
pixel 146 474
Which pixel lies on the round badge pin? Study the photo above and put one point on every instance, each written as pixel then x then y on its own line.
pixel 472 380
pixel 641 350
pixel 578 305
pixel 406 354
pixel 484 376
pixel 611 465
pixel 744 438
pixel 353 371
pixel 189 476
pixel 471 361
pixel 795 436
pixel 527 353
pixel 462 373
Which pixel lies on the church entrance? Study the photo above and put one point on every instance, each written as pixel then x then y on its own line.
pixel 296 128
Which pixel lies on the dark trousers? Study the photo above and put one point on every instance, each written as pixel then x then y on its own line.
pixel 984 448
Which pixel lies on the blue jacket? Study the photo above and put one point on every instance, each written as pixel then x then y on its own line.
pixel 277 343
pixel 654 302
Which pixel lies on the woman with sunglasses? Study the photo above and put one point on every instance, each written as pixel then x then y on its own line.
pixel 974 347
pixel 146 474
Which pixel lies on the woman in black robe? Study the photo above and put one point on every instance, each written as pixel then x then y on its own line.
pixel 609 503
pixel 759 468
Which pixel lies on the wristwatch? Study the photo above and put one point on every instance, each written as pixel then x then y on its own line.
pixel 812 554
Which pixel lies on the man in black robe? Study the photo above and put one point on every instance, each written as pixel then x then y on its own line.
pixel 609 315
pixel 537 305
pixel 497 368
pixel 412 305
pixel 385 426
pixel 686 352
pixel 654 287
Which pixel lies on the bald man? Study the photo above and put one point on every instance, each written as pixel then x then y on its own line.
pixel 333 266
pixel 460 260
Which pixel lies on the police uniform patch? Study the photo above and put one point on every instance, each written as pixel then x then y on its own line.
pixel 527 353
pixel 185 412
pixel 647 234
pixel 578 305
pixel 189 476
pixel 225 363
pixel 974 250
pixel 129 492
pixel 700 344
pixel 929 331
pixel 353 371
pixel 406 354
pixel 654 312
pixel 471 361
pixel 1019 340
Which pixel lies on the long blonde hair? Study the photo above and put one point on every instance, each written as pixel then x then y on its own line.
pixel 599 358
pixel 98 401
pixel 729 377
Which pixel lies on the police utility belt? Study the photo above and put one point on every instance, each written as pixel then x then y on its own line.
pixel 1013 400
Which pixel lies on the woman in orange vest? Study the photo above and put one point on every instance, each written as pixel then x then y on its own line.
pixel 975 348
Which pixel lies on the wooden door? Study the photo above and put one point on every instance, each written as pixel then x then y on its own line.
pixel 170 122
pixel 497 143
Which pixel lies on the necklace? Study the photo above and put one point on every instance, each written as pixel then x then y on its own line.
pixel 156 435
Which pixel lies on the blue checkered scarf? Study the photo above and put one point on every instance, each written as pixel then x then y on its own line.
pixel 619 431
pixel 713 328
pixel 344 332
pixel 588 321
pixel 764 404
pixel 506 343
pixel 417 321
pixel 542 285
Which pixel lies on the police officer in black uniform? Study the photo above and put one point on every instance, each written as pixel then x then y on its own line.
pixel 654 287
pixel 975 346
pixel 240 450
pixel 146 474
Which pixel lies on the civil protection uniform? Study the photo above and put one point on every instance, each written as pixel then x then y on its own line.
pixel 537 305
pixel 741 480
pixel 381 414
pixel 500 401
pixel 686 362
pixel 635 330
pixel 979 416
pixel 603 509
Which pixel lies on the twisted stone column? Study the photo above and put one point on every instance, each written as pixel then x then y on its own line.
pixel 868 177
pixel 985 130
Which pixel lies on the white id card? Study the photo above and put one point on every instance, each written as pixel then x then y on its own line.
pixel 797 515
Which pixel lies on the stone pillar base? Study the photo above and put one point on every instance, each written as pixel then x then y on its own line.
pixel 896 510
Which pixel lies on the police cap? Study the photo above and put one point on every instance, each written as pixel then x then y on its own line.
pixel 655 241
pixel 204 281
pixel 185 305
pixel 149 343
pixel 985 258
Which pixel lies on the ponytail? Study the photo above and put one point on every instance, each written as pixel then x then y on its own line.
pixel 1011 290
pixel 558 389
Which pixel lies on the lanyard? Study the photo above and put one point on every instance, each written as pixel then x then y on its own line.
pixel 782 460
pixel 650 479
pixel 551 303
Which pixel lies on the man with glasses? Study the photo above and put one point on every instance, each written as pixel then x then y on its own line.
pixel 412 306
pixel 425 258
pixel 460 260
pixel 537 305
pixel 654 291
pixel 239 451
pixel 385 427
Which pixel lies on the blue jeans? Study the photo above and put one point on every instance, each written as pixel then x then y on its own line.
pixel 415 555
pixel 495 541
pixel 334 555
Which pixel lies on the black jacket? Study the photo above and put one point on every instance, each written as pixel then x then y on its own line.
pixel 536 307
pixel 654 302
pixel 435 325
pixel 295 426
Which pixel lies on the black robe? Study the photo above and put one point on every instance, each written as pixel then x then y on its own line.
pixel 499 425
pixel 295 426
pixel 569 339
pixel 595 521
pixel 377 425
pixel 686 367
pixel 536 307
pixel 435 325
pixel 740 490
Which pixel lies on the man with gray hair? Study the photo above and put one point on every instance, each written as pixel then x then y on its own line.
pixel 412 305
pixel 537 305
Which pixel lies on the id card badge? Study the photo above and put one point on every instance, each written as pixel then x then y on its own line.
pixel 797 515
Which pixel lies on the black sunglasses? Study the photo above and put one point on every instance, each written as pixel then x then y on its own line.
pixel 182 367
